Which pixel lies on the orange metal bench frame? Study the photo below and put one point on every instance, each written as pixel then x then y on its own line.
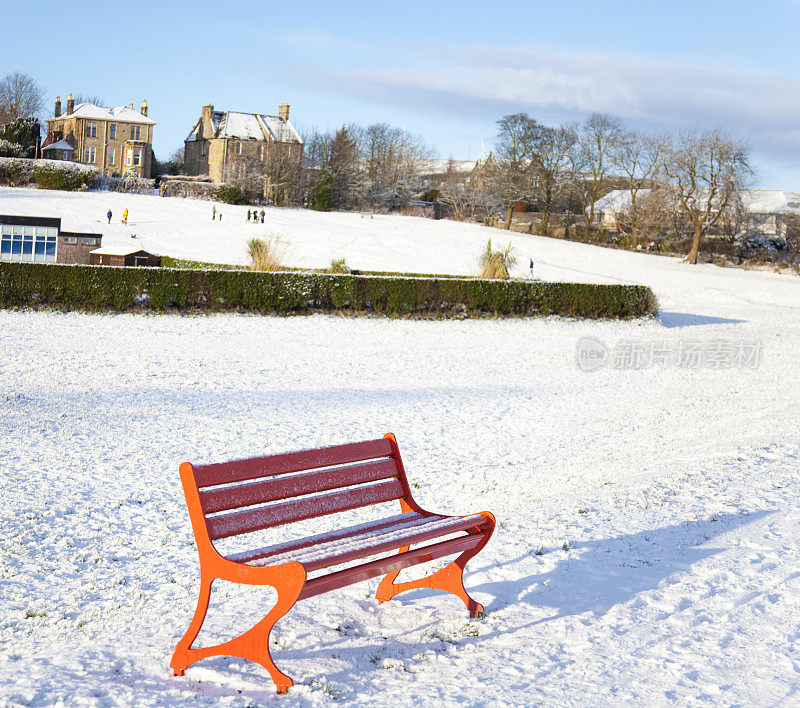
pixel 258 481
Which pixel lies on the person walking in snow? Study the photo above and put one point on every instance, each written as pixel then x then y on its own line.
pixel 262 216
pixel 531 267
pixel 109 215
pixel 248 215
pixel 214 213
pixel 125 217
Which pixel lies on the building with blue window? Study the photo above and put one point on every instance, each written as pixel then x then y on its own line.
pixel 39 239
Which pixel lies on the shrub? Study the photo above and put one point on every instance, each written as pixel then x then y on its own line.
pixel 496 264
pixel 321 197
pixel 98 288
pixel 229 193
pixel 266 255
pixel 9 149
pixel 65 178
pixel 339 265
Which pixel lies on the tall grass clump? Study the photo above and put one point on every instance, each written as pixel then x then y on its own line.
pixel 267 254
pixel 496 265
pixel 339 265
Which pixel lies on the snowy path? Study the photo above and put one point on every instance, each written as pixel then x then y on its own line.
pixel 648 537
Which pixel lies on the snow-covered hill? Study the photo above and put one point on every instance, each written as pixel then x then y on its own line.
pixel 646 551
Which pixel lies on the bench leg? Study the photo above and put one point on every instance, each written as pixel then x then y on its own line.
pixel 449 579
pixel 253 645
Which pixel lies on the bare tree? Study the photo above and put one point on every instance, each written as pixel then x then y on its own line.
pixel 791 221
pixel 20 97
pixel 512 177
pixel 590 159
pixel 551 168
pixel 706 172
pixel 92 98
pixel 639 158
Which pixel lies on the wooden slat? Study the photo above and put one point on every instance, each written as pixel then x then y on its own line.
pixel 242 470
pixel 365 571
pixel 418 535
pixel 283 487
pixel 238 522
pixel 327 537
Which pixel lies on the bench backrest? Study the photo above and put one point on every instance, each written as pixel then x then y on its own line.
pixel 249 495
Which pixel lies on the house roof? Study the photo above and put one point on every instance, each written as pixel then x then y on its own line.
pixel 249 126
pixel 60 145
pixel 120 251
pixel 123 114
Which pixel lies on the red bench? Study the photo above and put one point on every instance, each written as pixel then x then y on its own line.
pixel 240 497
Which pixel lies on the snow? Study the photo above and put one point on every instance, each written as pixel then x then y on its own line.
pixel 60 145
pixel 120 113
pixel 646 547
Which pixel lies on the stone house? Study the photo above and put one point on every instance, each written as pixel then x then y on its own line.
pixel 115 140
pixel 39 239
pixel 225 145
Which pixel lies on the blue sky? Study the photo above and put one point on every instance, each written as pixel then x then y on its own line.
pixel 445 70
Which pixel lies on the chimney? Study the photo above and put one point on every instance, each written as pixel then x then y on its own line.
pixel 70 105
pixel 58 106
pixel 144 107
pixel 130 105
pixel 206 122
pixel 283 111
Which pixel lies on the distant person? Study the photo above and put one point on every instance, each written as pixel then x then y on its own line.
pixel 220 216
pixel 248 215
pixel 214 213
pixel 109 215
pixel 125 217
pixel 262 216
pixel 531 267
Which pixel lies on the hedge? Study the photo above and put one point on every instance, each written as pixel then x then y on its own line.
pixel 94 288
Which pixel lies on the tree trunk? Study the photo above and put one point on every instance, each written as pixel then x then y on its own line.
pixel 546 223
pixel 509 214
pixel 691 257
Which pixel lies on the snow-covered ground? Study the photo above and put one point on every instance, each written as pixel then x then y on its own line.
pixel 646 551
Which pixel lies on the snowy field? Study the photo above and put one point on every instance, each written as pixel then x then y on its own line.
pixel 649 520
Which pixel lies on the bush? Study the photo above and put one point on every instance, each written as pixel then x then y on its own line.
pixel 339 265
pixel 99 288
pixel 321 197
pixel 496 264
pixel 229 193
pixel 9 149
pixel 64 179
pixel 266 255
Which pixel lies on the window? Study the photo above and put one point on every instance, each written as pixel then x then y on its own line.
pixel 261 153
pixel 129 157
pixel 136 132
pixel 112 131
pixel 88 241
pixel 65 155
pixel 90 155
pixel 239 148
pixel 204 148
pixel 28 244
pixel 111 156
pixel 91 129
pixel 70 239
pixel 137 157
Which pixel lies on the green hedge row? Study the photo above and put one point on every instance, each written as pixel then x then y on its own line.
pixel 101 288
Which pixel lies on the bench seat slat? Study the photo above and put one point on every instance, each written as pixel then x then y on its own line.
pixel 365 571
pixel 309 507
pixel 373 542
pixel 288 486
pixel 242 470
pixel 407 519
